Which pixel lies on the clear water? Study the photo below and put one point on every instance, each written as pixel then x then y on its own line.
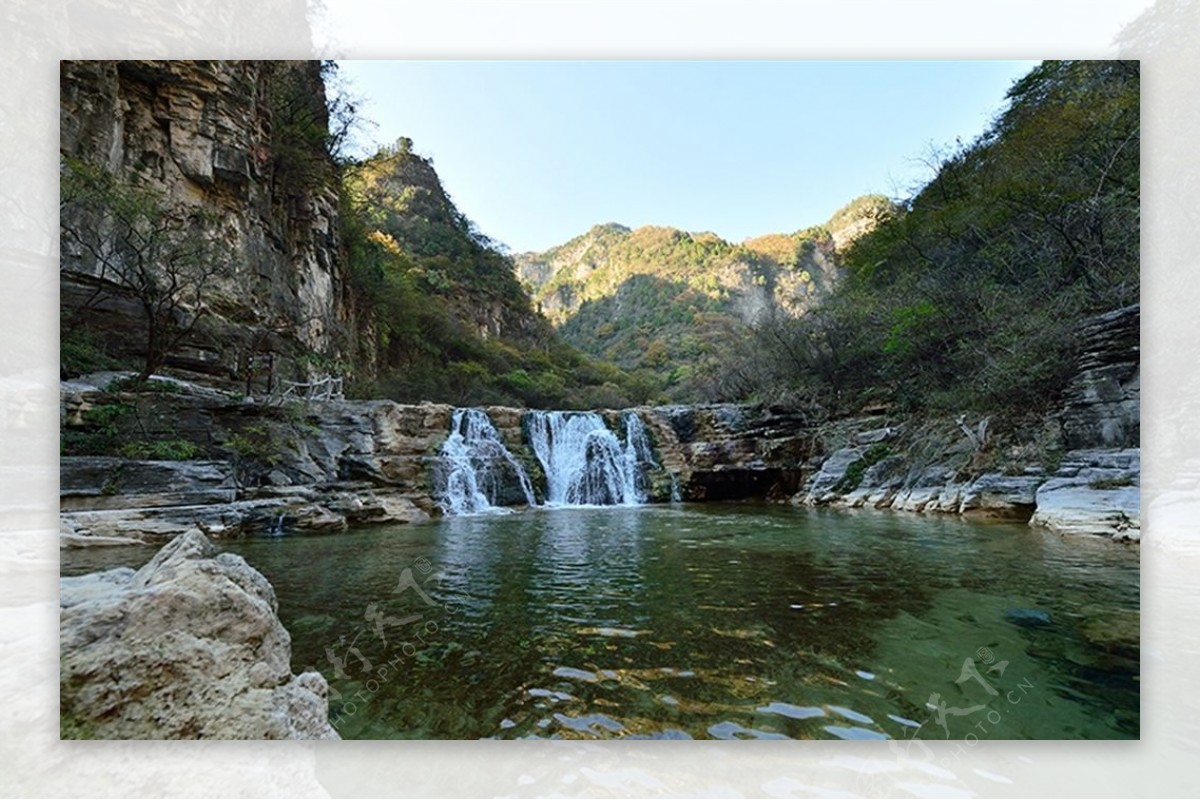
pixel 715 621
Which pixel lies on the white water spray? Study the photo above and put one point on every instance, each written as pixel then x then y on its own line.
pixel 478 468
pixel 585 463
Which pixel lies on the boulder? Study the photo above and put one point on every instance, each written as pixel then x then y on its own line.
pixel 1002 496
pixel 879 483
pixel 833 471
pixel 310 518
pixel 187 647
pixel 1065 506
pixel 923 488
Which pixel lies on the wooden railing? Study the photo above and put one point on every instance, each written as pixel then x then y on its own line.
pixel 328 387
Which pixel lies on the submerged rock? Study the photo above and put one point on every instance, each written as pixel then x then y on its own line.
pixel 1028 617
pixel 1115 631
pixel 187 647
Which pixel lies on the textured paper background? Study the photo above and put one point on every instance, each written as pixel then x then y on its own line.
pixel 35 35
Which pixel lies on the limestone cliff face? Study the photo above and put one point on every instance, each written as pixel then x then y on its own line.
pixel 1103 401
pixel 202 133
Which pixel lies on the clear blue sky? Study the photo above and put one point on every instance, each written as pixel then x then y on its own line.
pixel 538 152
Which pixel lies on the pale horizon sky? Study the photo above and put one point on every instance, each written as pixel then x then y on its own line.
pixel 537 152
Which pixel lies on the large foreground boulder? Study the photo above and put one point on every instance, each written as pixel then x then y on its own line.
pixel 187 647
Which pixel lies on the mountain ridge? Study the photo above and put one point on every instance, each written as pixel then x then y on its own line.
pixel 657 297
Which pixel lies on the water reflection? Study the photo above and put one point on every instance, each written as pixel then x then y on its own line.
pixel 717 622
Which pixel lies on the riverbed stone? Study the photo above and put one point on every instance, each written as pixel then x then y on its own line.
pixel 187 647
pixel 1113 630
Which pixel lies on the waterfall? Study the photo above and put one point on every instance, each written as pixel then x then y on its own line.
pixel 478 472
pixel 585 463
pixel 639 456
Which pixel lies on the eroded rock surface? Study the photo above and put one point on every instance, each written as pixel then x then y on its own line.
pixel 202 134
pixel 187 647
pixel 1093 492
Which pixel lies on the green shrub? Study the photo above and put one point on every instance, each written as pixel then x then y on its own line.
pixel 102 431
pixel 852 478
pixel 1110 483
pixel 161 450
pixel 855 472
pixel 80 352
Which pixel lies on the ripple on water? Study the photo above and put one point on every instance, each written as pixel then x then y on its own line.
pixel 904 721
pixel 625 633
pixel 576 674
pixel 791 711
pixel 586 580
pixel 842 711
pixel 732 730
pixel 854 732
pixel 590 723
pixel 669 733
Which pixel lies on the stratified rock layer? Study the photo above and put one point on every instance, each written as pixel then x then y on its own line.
pixel 206 134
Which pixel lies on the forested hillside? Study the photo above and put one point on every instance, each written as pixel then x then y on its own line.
pixel 665 302
pixel 449 320
pixel 974 295
pixel 236 242
pixel 214 226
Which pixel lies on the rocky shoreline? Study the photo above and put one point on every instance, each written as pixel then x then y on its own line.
pixel 324 466
pixel 1093 492
pixel 190 645
pixel 352 463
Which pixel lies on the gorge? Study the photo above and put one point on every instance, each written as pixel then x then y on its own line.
pixel 648 483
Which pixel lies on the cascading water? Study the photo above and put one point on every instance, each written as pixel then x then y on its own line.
pixel 585 463
pixel 478 471
pixel 639 456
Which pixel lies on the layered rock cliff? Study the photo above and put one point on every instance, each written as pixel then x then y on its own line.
pixel 234 139
pixel 1082 479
